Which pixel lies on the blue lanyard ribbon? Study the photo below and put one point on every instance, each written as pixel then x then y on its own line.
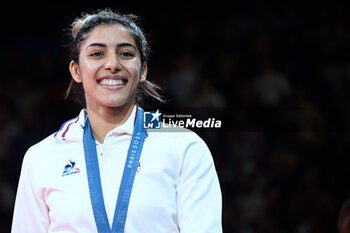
pixel 94 180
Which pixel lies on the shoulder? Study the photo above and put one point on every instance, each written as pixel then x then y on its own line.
pixel 69 134
pixel 35 158
pixel 43 147
pixel 43 144
pixel 181 136
pixel 183 143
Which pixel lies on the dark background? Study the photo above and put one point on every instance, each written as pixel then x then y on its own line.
pixel 276 74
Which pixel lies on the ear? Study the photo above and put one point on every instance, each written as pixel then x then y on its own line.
pixel 74 71
pixel 143 72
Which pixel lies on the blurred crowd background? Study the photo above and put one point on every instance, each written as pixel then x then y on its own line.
pixel 276 73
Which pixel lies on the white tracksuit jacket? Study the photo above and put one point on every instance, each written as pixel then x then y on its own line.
pixel 176 188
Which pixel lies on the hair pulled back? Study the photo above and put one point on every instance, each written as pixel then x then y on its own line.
pixel 79 31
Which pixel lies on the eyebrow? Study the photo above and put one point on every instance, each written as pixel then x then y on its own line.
pixel 119 45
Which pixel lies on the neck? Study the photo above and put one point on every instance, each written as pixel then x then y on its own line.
pixel 104 119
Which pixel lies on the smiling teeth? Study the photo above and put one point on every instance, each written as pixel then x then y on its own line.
pixel 112 82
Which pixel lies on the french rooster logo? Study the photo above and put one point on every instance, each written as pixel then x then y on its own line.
pixel 70 169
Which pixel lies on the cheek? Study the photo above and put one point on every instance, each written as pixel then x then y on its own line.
pixel 136 76
pixel 88 70
pixel 134 69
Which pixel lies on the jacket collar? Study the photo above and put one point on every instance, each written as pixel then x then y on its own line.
pixel 72 130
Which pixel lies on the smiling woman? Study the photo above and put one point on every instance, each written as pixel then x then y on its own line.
pixel 177 189
pixel 110 68
pixel 81 29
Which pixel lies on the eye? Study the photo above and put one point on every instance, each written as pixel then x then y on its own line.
pixel 96 54
pixel 127 54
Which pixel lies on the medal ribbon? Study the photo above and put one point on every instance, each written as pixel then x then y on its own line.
pixel 94 180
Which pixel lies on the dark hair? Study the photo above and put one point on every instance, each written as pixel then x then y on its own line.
pixel 80 29
pixel 344 217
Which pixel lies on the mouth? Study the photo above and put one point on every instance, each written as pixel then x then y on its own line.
pixel 111 82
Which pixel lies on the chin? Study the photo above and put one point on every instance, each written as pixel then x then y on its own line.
pixel 118 103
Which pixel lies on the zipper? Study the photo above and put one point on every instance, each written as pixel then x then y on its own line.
pixel 99 150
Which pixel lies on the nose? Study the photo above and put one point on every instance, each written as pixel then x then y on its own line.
pixel 112 63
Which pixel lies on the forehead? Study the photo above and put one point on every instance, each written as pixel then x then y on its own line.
pixel 109 34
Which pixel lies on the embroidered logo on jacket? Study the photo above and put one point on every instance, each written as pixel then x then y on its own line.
pixel 70 169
